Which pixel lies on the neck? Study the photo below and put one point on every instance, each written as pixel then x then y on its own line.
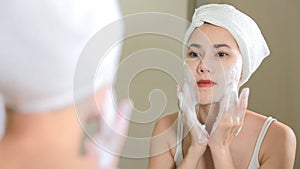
pixel 58 129
pixel 207 114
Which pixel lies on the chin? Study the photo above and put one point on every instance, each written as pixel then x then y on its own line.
pixel 204 104
pixel 205 100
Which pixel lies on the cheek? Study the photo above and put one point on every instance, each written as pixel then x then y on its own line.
pixel 206 96
pixel 230 72
pixel 193 69
pixel 234 73
pixel 227 75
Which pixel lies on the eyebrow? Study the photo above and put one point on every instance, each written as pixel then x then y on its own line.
pixel 221 45
pixel 195 45
pixel 215 45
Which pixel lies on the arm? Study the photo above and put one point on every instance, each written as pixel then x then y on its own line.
pixel 160 151
pixel 193 157
pixel 222 158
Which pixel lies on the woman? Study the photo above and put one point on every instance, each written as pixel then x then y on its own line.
pixel 47 84
pixel 213 128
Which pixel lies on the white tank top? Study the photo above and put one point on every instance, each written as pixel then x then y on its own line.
pixel 254 162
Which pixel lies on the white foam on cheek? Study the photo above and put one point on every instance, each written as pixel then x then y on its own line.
pixel 232 77
pixel 228 77
pixel 234 74
pixel 220 78
pixel 219 91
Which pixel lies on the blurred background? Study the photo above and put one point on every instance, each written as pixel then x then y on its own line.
pixel 274 86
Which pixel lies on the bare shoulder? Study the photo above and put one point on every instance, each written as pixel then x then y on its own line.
pixel 164 133
pixel 165 123
pixel 277 131
pixel 279 144
pixel 280 136
pixel 163 142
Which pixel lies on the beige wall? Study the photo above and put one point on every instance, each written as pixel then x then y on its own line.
pixel 274 88
pixel 151 79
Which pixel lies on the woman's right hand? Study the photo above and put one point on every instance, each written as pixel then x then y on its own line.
pixel 188 100
pixel 198 134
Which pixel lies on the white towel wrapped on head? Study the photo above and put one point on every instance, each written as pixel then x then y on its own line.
pixel 245 31
pixel 41 42
pixel 40 45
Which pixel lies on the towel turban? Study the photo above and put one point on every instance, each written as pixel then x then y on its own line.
pixel 40 45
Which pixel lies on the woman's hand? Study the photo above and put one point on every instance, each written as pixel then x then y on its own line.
pixel 188 101
pixel 228 124
pixel 189 118
pixel 230 119
pixel 107 144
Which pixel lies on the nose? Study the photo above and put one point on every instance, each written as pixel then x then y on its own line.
pixel 203 68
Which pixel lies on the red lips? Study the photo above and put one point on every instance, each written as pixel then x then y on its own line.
pixel 205 83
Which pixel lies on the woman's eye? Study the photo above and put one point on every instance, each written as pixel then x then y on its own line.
pixel 221 54
pixel 194 54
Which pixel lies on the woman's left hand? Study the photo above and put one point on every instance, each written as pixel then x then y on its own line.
pixel 230 118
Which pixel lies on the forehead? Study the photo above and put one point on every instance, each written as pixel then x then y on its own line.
pixel 208 34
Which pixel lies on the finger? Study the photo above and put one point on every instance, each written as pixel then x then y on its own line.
pixel 223 108
pixel 203 131
pixel 232 102
pixel 233 110
pixel 228 109
pixel 243 103
pixel 199 133
pixel 190 119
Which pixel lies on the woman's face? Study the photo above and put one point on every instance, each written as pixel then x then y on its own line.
pixel 215 61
